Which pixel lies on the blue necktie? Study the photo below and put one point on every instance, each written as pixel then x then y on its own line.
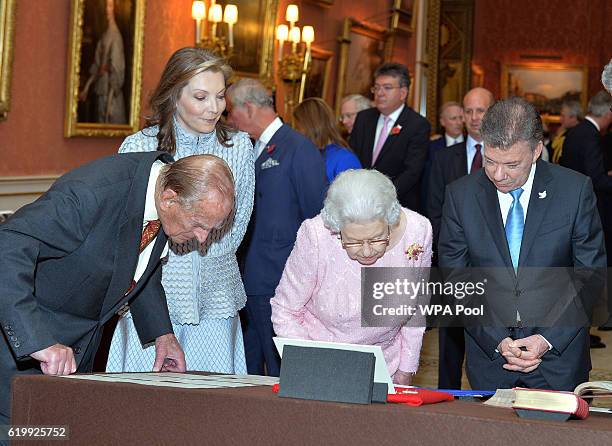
pixel 514 226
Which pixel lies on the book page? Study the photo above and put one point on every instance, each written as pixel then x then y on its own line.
pixel 599 386
pixel 502 398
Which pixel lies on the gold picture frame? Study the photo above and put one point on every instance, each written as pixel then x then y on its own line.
pixel 104 68
pixel 7 36
pixel 546 85
pixel 360 43
pixel 253 54
pixel 317 81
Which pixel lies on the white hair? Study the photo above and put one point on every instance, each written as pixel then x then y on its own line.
pixel 360 196
pixel 361 102
pixel 606 77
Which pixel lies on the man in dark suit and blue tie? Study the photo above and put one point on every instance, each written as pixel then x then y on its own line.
pixel 524 221
pixel 448 165
pixel 391 137
pixel 290 185
pixel 79 254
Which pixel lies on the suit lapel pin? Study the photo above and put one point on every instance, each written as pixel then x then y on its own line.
pixel 270 148
pixel 396 129
pixel 542 195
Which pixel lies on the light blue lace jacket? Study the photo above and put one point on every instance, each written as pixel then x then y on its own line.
pixel 205 282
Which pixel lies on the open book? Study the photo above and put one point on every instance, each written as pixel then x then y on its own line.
pixel 587 390
pixel 594 389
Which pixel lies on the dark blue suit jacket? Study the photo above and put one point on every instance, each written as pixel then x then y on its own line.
pixel 434 147
pixel 290 185
pixel 67 261
pixel 562 230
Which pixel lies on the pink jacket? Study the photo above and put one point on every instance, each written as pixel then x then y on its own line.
pixel 319 295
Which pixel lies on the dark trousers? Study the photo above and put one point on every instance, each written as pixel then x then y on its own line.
pixel 260 352
pixel 451 345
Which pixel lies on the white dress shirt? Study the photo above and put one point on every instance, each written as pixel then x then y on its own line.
pixel 452 140
pixel 505 201
pixel 150 213
pixel 470 147
pixel 381 120
pixel 267 135
pixel 592 121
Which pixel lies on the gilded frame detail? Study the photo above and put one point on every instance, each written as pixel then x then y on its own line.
pixel 376 33
pixel 134 23
pixel 7 35
pixel 254 43
pixel 534 80
pixel 317 81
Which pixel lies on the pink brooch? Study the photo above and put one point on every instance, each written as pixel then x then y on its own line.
pixel 270 148
pixel 414 251
pixel 396 129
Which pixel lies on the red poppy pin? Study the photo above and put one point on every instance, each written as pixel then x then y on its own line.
pixel 270 148
pixel 395 130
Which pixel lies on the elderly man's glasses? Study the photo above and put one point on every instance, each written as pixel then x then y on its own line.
pixel 376 244
pixel 386 88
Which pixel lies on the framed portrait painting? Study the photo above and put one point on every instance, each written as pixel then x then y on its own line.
pixel 317 81
pixel 253 54
pixel 104 67
pixel 362 50
pixel 546 85
pixel 7 30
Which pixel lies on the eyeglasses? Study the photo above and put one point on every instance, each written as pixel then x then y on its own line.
pixel 385 88
pixel 344 116
pixel 376 244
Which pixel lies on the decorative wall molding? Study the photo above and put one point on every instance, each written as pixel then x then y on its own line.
pixel 19 191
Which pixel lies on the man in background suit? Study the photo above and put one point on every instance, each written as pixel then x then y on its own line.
pixel 72 259
pixel 290 184
pixel 391 137
pixel 451 120
pixel 349 107
pixel 583 152
pixel 571 115
pixel 448 165
pixel 513 218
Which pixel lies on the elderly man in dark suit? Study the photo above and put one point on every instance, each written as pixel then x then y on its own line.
pixel 448 165
pixel 451 120
pixel 391 137
pixel 290 184
pixel 91 245
pixel 525 221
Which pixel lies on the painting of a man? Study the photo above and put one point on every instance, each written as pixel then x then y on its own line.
pixel 102 94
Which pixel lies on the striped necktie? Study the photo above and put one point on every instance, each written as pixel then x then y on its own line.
pixel 148 234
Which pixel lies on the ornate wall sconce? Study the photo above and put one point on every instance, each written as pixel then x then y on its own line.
pixel 294 65
pixel 207 35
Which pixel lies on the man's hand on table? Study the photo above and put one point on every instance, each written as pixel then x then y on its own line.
pixel 169 356
pixel 56 360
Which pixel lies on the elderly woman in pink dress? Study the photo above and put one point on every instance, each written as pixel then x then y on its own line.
pixel 319 296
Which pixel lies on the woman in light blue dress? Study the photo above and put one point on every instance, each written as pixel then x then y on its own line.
pixel 203 286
